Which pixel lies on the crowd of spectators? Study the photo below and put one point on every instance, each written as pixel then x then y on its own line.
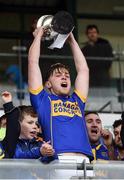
pixel 23 137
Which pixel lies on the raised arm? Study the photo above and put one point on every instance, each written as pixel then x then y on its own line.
pixel 7 99
pixel 34 72
pixel 12 125
pixel 82 79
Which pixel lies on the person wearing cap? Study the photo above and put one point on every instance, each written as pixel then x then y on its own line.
pixel 61 114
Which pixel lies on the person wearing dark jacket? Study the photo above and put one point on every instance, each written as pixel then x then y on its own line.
pixel 8 144
pixel 26 144
pixel 99 55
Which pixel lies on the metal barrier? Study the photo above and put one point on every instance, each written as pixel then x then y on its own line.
pixel 34 169
pixel 109 170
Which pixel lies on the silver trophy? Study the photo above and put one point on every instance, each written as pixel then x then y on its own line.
pixel 45 21
pixel 59 25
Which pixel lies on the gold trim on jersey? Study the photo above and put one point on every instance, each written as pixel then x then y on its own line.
pixel 80 96
pixel 98 147
pixel 36 91
pixel 94 154
pixel 1 154
pixel 94 151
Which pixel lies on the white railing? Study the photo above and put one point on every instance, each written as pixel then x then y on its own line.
pixel 34 169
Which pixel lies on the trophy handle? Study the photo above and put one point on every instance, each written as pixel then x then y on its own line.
pixel 44 21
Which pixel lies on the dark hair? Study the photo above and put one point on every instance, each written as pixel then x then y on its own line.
pixel 26 110
pixel 1 118
pixel 57 66
pixel 117 123
pixel 91 26
pixel 91 112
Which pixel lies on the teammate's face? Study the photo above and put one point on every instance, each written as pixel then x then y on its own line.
pixel 59 82
pixel 92 35
pixel 94 127
pixel 29 127
pixel 118 141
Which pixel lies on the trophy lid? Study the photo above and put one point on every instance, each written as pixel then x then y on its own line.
pixel 62 22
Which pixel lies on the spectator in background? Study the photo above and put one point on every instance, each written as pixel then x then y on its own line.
pixel 15 76
pixel 119 149
pixel 100 139
pixel 95 49
pixel 61 115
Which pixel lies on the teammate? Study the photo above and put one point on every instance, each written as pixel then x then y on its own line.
pixel 100 139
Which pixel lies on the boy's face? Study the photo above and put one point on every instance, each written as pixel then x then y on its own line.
pixel 59 82
pixel 94 127
pixel 29 127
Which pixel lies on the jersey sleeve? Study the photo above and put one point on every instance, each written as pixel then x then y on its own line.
pixel 80 100
pixel 36 97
